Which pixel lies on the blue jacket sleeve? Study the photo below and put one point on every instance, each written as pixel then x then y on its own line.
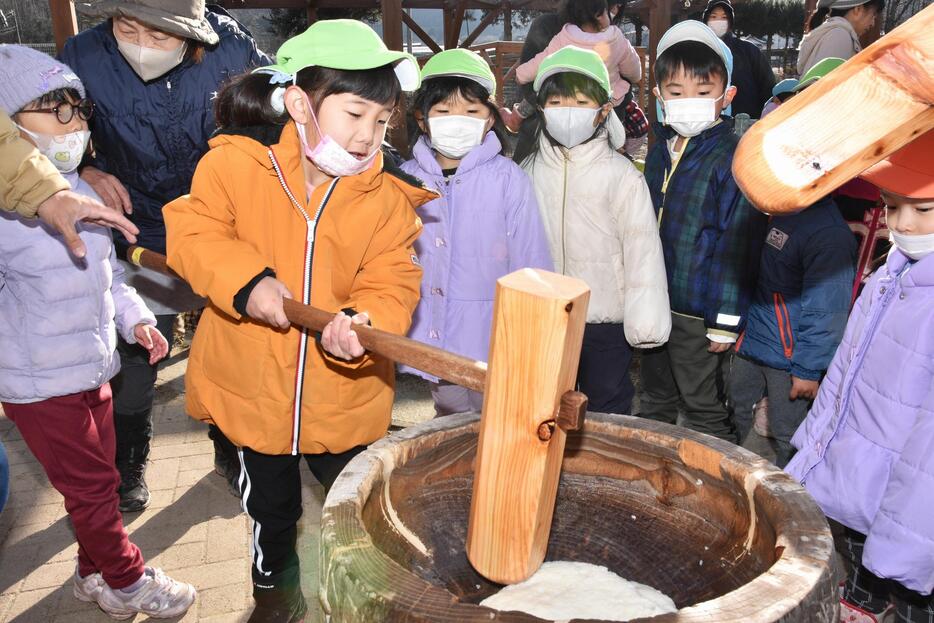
pixel 828 263
pixel 734 267
pixel 525 233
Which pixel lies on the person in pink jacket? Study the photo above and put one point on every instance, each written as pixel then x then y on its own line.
pixel 588 26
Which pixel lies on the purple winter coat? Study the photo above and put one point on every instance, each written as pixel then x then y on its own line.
pixel 485 225
pixel 57 333
pixel 866 449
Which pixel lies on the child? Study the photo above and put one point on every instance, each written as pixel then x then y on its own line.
pixel 588 25
pixel 293 200
pixel 864 451
pixel 781 93
pixel 485 225
pixel 599 220
pixel 59 318
pixel 711 235
pixel 795 321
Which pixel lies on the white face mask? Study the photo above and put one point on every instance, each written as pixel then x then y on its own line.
pixel 570 126
pixel 65 151
pixel 916 246
pixel 149 63
pixel 689 116
pixel 454 136
pixel 328 155
pixel 719 26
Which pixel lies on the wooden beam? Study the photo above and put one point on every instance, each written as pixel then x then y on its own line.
pixel 392 23
pixel 453 31
pixel 420 33
pixel 486 21
pixel 64 21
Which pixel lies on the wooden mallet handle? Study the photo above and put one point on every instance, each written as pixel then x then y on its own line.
pixel 441 363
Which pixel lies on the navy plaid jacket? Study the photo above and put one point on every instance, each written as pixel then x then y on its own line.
pixel 711 235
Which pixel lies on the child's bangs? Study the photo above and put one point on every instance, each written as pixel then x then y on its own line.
pixel 378 85
pixel 693 59
pixel 569 84
pixel 438 90
pixel 56 97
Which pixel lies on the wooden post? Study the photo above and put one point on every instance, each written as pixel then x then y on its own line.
pixel 392 23
pixel 507 22
pixel 312 12
pixel 64 21
pixel 659 22
pixel 538 328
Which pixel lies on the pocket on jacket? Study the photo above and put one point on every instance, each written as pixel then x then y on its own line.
pixel 234 356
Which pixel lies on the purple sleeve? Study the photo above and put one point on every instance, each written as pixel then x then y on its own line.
pixel 528 244
pixel 130 310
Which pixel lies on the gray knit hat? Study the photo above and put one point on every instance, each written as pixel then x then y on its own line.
pixel 184 18
pixel 27 74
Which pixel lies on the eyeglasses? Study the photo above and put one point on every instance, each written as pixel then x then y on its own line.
pixel 66 111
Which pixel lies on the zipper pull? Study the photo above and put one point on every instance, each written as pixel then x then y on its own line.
pixel 168 85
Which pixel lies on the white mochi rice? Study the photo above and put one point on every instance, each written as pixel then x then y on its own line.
pixel 561 591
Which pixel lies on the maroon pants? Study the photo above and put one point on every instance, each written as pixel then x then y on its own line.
pixel 73 438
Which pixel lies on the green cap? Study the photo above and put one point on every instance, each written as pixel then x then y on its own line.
pixel 576 60
pixel 461 63
pixel 342 44
pixel 818 71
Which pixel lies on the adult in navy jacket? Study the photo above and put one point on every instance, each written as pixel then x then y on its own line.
pixel 152 69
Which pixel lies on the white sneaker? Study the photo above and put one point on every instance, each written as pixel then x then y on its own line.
pixel 88 588
pixel 159 596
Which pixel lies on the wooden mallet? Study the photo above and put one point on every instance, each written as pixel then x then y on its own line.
pixel 869 107
pixel 528 407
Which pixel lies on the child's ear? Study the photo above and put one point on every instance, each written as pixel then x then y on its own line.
pixel 420 120
pixel 729 95
pixel 605 111
pixel 296 103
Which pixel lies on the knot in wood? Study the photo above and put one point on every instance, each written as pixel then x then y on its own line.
pixel 546 429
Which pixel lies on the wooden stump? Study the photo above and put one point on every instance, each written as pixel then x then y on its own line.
pixel 726 534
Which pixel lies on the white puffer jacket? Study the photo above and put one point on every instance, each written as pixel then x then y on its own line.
pixel 601 227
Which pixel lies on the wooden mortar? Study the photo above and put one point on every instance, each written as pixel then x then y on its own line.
pixel 726 534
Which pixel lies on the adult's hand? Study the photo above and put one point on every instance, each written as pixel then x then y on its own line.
pixel 111 190
pixel 65 208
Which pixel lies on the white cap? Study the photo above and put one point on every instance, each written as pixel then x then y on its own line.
pixel 694 30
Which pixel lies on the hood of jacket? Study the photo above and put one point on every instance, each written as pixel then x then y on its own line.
pixel 812 40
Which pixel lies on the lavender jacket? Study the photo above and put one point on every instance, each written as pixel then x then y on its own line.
pixel 866 449
pixel 57 333
pixel 485 225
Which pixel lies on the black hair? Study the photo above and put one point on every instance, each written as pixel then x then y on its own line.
pixel 817 16
pixel 618 20
pixel 582 12
pixel 245 101
pixel 692 57
pixel 436 90
pixel 54 98
pixel 565 84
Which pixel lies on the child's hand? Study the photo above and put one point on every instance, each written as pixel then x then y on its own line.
pixel 339 339
pixel 511 117
pixel 265 302
pixel 149 338
pixel 719 347
pixel 801 388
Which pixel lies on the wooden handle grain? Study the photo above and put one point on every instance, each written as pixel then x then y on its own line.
pixel 435 361
pixel 866 109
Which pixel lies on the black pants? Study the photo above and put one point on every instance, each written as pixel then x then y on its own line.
pixel 869 592
pixel 272 496
pixel 684 373
pixel 603 373
pixel 134 391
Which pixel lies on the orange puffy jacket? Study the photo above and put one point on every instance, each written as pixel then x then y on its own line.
pixel 349 246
